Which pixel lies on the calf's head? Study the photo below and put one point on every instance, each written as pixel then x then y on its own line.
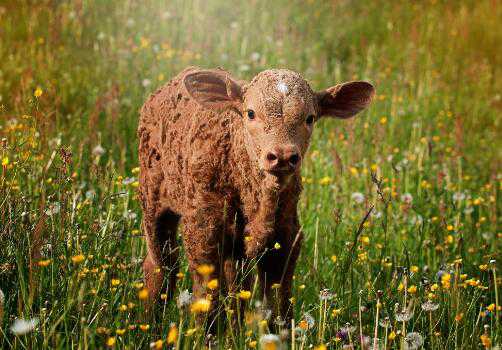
pixel 278 109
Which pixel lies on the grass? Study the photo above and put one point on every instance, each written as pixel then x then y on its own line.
pixel 426 157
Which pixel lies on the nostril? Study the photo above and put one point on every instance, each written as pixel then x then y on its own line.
pixel 294 159
pixel 271 157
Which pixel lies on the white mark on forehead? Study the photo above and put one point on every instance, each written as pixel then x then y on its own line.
pixel 282 87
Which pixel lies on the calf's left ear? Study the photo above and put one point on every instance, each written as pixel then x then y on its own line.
pixel 345 100
pixel 214 89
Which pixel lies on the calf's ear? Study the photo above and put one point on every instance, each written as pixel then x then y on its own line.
pixel 345 100
pixel 214 89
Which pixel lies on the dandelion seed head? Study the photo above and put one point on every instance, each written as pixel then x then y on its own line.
pixel 22 326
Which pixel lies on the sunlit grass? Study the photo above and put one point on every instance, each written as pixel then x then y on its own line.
pixel 400 206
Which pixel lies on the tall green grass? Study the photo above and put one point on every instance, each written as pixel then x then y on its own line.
pixel 425 156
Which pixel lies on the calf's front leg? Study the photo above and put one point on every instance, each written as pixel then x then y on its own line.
pixel 260 229
pixel 202 236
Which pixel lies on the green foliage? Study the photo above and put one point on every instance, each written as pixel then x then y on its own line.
pixel 74 75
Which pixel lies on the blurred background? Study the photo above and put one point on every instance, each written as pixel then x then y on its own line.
pixel 74 74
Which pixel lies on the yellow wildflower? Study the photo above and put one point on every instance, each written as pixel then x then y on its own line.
pixel 244 294
pixel 205 269
pixel 5 161
pixel 115 282
pixel 172 335
pixel 110 341
pixel 44 263
pixel 120 331
pixel 143 294
pixel 334 258
pixel 412 289
pixel 144 327
pixel 213 284
pixel 157 344
pixel 38 92
pixel 77 259
pixel 325 181
pixel 200 305
pixel 392 335
pixel 277 246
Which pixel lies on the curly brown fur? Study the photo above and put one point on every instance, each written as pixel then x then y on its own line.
pixel 229 175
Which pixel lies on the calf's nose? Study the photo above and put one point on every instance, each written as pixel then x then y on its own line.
pixel 283 158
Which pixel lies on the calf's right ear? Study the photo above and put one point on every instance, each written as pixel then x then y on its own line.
pixel 214 89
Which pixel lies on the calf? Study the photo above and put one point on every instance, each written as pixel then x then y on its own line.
pixel 222 157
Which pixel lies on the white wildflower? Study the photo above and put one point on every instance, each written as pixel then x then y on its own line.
pixel 184 299
pixel 244 67
pixel 21 326
pixel 255 56
pixel 146 82
pixel 430 306
pixel 98 150
pixel 413 341
pixel 270 341
pixel 325 295
pixel 407 198
pixel 53 209
pixel 357 197
pixel 458 196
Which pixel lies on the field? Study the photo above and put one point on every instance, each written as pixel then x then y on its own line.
pixel 422 163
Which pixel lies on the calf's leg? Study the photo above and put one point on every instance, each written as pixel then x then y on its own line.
pixel 162 251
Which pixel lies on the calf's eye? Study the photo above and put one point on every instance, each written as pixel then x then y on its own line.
pixel 310 120
pixel 250 114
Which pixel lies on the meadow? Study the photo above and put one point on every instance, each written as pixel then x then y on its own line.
pixel 400 207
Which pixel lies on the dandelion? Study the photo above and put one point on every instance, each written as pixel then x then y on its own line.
pixel 184 299
pixel 412 289
pixel 190 332
pixel 38 92
pixel 44 263
pixel 22 326
pixel 325 295
pixel 143 294
pixel 407 198
pixel 334 258
pixel 200 306
pixel 157 344
pixel 458 196
pixel 244 294
pixel 486 341
pixel 98 150
pixel 413 341
pixel 326 180
pixel 77 259
pixel 430 306
pixel 205 269
pixel 115 282
pixel 144 327
pixel 213 284
pixel 270 342
pixel 172 335
pixel 110 341
pixel 357 197
pixel 120 331
pixel 404 315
